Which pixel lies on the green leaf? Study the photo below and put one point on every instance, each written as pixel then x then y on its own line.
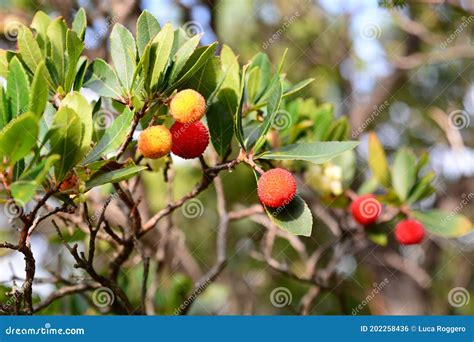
pixel 316 152
pixel 66 141
pixel 39 172
pixel 159 56
pixel 295 218
pixel 74 46
pixel 147 28
pixel 272 109
pixel 450 225
pixel 403 172
pixel 4 111
pixel 83 109
pixel 101 78
pixel 183 55
pixel 194 63
pixel 3 63
pixel 124 54
pixel 23 191
pixel 81 72
pixel 378 161
pixel 39 91
pixel 297 87
pixel 57 38
pixel 114 176
pixel 29 49
pixel 79 23
pixel 422 188
pixel 220 112
pixel 18 137
pixel 238 129
pixel 18 89
pixel 112 138
pixel 40 24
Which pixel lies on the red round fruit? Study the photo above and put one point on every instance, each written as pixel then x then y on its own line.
pixel 409 232
pixel 276 188
pixel 366 209
pixel 189 140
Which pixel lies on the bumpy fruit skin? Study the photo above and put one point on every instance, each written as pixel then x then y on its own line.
pixel 189 140
pixel 187 106
pixel 276 188
pixel 409 232
pixel 366 209
pixel 155 142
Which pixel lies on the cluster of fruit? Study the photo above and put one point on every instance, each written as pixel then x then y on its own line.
pixel 277 188
pixel 366 210
pixel 187 138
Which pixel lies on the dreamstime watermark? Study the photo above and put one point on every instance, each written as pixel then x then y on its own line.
pixel 281 297
pixel 283 28
pixel 13 209
pixel 47 329
pixel 103 119
pixel 377 288
pixel 458 297
pixel 282 120
pixel 465 23
pixel 103 297
pixel 192 28
pixel 375 113
pixel 459 119
pixel 178 311
pixel 100 212
pixel 370 208
pixel 465 201
pixel 370 31
pixel 12 29
pixel 192 208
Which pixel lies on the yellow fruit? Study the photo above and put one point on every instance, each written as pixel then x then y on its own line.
pixel 187 106
pixel 155 142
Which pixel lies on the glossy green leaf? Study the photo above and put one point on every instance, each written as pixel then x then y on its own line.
pixel 295 218
pixel 378 161
pixel 40 24
pixel 124 54
pixel 101 78
pixel 114 176
pixel 238 129
pixel 194 63
pixel 403 172
pixel 79 23
pixel 147 28
pixel 160 55
pixel 422 188
pixel 18 89
pixel 3 63
pixel 112 138
pixel 183 55
pixel 66 141
pixel 29 49
pixel 5 116
pixel 273 105
pixel 83 109
pixel 39 172
pixel 74 47
pixel 316 152
pixel 57 39
pixel 39 91
pixel 18 137
pixel 222 108
pixel 444 224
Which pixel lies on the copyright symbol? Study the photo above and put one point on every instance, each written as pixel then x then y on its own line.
pixel 413 328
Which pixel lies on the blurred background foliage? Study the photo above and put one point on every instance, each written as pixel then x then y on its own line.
pixel 398 70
